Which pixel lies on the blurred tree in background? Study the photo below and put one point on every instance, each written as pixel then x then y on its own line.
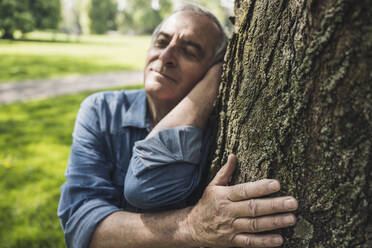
pixel 95 16
pixel 15 15
pixel 75 17
pixel 27 15
pixel 165 7
pixel 222 9
pixel 142 16
pixel 102 15
pixel 46 13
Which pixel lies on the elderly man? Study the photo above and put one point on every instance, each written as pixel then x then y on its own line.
pixel 181 81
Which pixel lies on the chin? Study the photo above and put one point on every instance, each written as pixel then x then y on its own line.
pixel 153 86
pixel 157 91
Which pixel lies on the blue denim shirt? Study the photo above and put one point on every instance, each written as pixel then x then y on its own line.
pixel 163 171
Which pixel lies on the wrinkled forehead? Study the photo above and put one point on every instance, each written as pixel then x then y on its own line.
pixel 186 21
pixel 194 26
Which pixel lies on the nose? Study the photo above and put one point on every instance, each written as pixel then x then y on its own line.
pixel 167 56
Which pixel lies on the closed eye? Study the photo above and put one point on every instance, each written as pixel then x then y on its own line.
pixel 189 52
pixel 193 49
pixel 161 43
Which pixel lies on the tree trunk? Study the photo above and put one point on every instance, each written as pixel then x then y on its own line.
pixel 295 104
pixel 7 35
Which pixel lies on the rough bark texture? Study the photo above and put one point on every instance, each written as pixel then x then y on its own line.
pixel 295 104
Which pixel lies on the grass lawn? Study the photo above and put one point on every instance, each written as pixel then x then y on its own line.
pixel 44 55
pixel 35 139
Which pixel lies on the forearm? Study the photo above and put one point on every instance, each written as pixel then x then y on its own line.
pixel 124 229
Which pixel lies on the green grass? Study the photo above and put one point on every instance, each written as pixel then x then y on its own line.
pixel 43 56
pixel 35 139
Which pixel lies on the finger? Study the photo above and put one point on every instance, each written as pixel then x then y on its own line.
pixel 255 189
pixel 224 174
pixel 265 206
pixel 262 224
pixel 257 240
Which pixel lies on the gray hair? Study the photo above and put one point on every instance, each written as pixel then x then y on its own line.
pixel 220 49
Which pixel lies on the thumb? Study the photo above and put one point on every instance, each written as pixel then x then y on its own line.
pixel 223 176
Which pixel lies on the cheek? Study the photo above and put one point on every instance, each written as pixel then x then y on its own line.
pixel 195 73
pixel 189 80
pixel 149 59
pixel 151 56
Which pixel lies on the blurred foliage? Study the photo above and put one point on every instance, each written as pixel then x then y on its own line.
pixel 75 17
pixel 139 16
pixel 102 15
pixel 47 13
pixel 94 16
pixel 165 8
pixel 217 9
pixel 34 147
pixel 38 57
pixel 27 15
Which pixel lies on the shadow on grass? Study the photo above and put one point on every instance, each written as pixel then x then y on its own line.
pixel 36 226
pixel 34 146
pixel 33 127
pixel 51 120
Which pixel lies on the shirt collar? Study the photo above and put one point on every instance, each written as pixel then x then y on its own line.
pixel 137 114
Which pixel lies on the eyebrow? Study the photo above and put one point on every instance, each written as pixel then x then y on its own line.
pixel 194 44
pixel 163 34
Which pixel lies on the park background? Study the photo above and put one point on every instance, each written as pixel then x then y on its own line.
pixel 45 39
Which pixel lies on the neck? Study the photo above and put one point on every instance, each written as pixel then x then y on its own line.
pixel 158 109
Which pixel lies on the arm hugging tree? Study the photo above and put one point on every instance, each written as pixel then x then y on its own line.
pixel 295 104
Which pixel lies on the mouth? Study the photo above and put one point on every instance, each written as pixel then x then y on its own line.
pixel 163 75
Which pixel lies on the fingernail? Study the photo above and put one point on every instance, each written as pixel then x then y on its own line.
pixel 278 240
pixel 289 220
pixel 274 186
pixel 290 204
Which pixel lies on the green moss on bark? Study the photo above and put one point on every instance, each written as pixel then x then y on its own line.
pixel 295 104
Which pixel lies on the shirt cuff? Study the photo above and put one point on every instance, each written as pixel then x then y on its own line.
pixel 178 144
pixel 81 225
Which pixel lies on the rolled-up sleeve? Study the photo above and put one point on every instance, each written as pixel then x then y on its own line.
pixel 88 195
pixel 165 168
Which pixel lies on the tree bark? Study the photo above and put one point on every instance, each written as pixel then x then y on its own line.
pixel 295 104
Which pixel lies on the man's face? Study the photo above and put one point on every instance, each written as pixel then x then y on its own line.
pixel 179 56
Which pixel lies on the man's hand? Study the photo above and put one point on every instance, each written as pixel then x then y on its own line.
pixel 229 216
